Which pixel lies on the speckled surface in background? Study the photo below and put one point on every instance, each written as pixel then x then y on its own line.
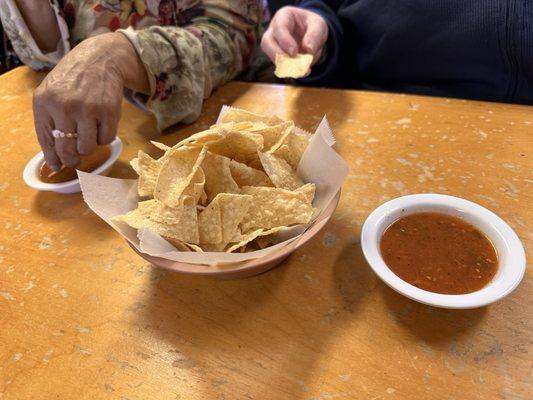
pixel 83 317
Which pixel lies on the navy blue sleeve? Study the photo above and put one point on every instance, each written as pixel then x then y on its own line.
pixel 327 72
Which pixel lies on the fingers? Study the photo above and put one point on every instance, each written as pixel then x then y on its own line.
pixel 315 36
pixel 56 151
pixel 280 37
pixel 270 46
pixel 283 33
pixel 87 130
pixel 107 130
pixel 43 127
pixel 44 136
pixel 66 148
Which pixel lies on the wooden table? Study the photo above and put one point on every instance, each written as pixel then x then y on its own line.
pixel 83 317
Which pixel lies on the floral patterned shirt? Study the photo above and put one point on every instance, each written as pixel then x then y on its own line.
pixel 188 47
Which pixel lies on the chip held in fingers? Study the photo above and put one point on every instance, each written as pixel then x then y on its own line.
pixel 293 67
pixel 231 188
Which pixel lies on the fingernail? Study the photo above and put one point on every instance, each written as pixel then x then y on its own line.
pixel 54 167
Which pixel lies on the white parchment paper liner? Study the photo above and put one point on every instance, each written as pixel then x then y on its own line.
pixel 109 197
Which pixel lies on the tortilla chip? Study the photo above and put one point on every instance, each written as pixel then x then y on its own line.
pixel 178 244
pixel 256 164
pixel 254 127
pixel 218 178
pixel 293 67
pixel 251 236
pixel 160 146
pixel 176 173
pixel 237 144
pixel 234 208
pixel 194 247
pixel 210 224
pixel 233 126
pixel 186 226
pixel 219 222
pixel 240 159
pixel 271 134
pixel 280 172
pixel 247 176
pixel 273 207
pixel 140 216
pixel 196 187
pixel 236 115
pixel 199 139
pixel 176 223
pixel 291 147
pixel 308 190
pixel 148 169
pixel 264 241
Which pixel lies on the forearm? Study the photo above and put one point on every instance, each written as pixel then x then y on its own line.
pixel 127 61
pixel 41 21
pixel 110 52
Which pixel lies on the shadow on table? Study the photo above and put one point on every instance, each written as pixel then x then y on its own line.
pixel 265 325
pixel 353 278
pixel 209 322
pixel 433 325
pixel 308 108
pixel 56 206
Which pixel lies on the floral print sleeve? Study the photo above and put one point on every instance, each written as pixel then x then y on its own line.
pixel 24 44
pixel 213 43
pixel 188 47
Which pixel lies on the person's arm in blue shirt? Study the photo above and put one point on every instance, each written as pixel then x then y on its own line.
pixel 330 65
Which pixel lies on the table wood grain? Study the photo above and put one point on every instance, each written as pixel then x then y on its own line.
pixel 83 317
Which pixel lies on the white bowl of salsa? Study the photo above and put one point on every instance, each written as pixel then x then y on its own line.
pixel 443 250
pixel 32 173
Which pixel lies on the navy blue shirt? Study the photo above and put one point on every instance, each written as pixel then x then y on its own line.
pixel 478 49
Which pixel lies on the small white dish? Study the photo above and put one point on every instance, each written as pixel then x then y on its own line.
pixel 31 172
pixel 511 255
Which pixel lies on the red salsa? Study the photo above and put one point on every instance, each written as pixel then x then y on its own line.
pixel 88 163
pixel 439 253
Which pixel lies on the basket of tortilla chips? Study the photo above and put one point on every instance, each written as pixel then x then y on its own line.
pixel 233 200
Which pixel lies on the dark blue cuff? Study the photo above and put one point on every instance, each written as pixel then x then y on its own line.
pixel 325 74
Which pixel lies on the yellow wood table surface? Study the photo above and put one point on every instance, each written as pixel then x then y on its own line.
pixel 83 317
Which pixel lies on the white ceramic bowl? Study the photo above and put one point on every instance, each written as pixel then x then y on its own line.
pixel 31 172
pixel 512 259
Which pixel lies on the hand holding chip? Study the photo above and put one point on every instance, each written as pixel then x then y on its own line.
pixel 294 30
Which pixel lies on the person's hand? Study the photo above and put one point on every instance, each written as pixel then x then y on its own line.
pixel 295 30
pixel 83 95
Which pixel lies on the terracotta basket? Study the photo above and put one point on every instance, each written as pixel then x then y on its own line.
pixel 249 268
